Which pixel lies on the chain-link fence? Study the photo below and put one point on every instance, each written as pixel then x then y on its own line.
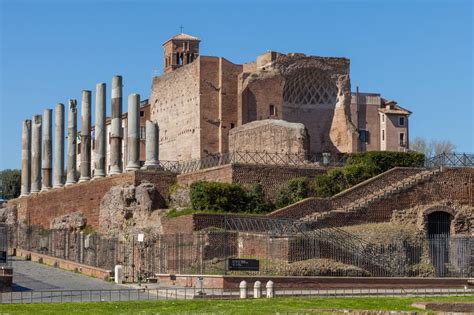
pixel 330 252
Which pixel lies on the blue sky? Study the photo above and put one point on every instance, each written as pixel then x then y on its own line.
pixel 419 53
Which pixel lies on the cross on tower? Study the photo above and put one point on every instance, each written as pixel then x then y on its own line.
pixel 181 28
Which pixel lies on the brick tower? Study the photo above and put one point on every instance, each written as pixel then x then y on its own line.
pixel 180 50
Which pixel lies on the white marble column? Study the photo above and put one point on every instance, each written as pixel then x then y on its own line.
pixel 133 132
pixel 71 143
pixel 59 147
pixel 85 166
pixel 151 145
pixel 47 150
pixel 36 154
pixel 26 158
pixel 100 151
pixel 116 127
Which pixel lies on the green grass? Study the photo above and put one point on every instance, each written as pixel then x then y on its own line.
pixel 261 306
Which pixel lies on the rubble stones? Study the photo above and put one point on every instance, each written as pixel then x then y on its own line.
pixel 73 220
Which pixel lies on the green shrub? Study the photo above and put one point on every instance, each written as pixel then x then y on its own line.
pixel 385 160
pixel 295 190
pixel 224 197
pixel 362 166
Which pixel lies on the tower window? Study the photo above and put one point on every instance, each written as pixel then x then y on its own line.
pixel 383 134
pixel 272 110
pixel 142 113
pixel 232 125
pixel 364 135
pixel 402 139
pixel 142 133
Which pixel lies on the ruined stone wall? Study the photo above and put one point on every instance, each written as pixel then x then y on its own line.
pixel 175 106
pixel 85 197
pixel 270 135
pixel 314 91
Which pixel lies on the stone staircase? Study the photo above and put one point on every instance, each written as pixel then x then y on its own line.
pixel 354 206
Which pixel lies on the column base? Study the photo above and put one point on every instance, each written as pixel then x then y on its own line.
pixel 151 166
pixel 69 183
pixel 132 167
pixel 115 171
pixel 46 189
pixel 84 179
pixel 58 186
pixel 24 195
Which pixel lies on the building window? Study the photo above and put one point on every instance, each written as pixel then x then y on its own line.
pixel 142 133
pixel 383 134
pixel 364 135
pixel 402 139
pixel 383 117
pixel 401 121
pixel 142 113
pixel 272 110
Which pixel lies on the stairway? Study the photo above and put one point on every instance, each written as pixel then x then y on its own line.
pixel 380 194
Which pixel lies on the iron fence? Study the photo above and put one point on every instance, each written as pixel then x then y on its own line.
pixel 281 251
pixel 185 293
pixel 451 160
pixel 254 158
pixel 4 244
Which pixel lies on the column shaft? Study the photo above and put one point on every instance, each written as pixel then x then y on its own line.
pixel 151 145
pixel 85 136
pixel 100 131
pixel 26 158
pixel 71 143
pixel 59 146
pixel 116 127
pixel 36 154
pixel 47 150
pixel 133 132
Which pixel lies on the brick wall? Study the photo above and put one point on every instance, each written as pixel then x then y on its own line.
pixel 271 177
pixel 85 197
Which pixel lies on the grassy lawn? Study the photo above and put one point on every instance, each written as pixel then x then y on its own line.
pixel 261 306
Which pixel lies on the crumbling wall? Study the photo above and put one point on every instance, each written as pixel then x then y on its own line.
pixel 314 91
pixel 270 135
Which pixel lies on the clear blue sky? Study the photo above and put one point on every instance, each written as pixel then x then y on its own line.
pixel 419 53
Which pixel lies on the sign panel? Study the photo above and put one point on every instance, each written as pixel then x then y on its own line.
pixel 244 264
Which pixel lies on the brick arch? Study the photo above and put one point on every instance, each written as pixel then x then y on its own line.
pixel 438 208
pixel 434 209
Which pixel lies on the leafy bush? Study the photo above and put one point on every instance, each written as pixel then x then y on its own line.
pixel 385 160
pixel 295 190
pixel 362 166
pixel 224 197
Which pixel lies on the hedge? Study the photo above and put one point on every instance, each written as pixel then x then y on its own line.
pixel 295 190
pixel 362 166
pixel 225 197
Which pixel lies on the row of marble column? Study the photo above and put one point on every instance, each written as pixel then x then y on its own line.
pixel 37 142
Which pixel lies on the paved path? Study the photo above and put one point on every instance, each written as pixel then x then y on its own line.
pixel 29 276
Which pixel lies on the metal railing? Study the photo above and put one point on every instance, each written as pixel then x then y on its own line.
pixel 185 293
pixel 254 158
pixel 451 160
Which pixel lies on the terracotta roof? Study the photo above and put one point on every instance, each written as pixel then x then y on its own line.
pixel 183 36
pixel 391 107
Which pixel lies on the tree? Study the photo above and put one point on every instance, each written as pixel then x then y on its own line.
pixel 433 147
pixel 10 183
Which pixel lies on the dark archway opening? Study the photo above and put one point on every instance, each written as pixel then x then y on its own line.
pixel 439 227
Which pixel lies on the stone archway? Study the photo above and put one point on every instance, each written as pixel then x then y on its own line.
pixel 438 229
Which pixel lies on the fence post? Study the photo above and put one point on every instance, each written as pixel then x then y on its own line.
pixel 118 274
pixel 270 289
pixel 243 289
pixel 257 290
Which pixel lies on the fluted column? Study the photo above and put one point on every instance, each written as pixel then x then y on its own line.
pixel 36 154
pixel 133 132
pixel 85 137
pixel 47 150
pixel 151 145
pixel 100 152
pixel 59 146
pixel 71 143
pixel 116 127
pixel 26 158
